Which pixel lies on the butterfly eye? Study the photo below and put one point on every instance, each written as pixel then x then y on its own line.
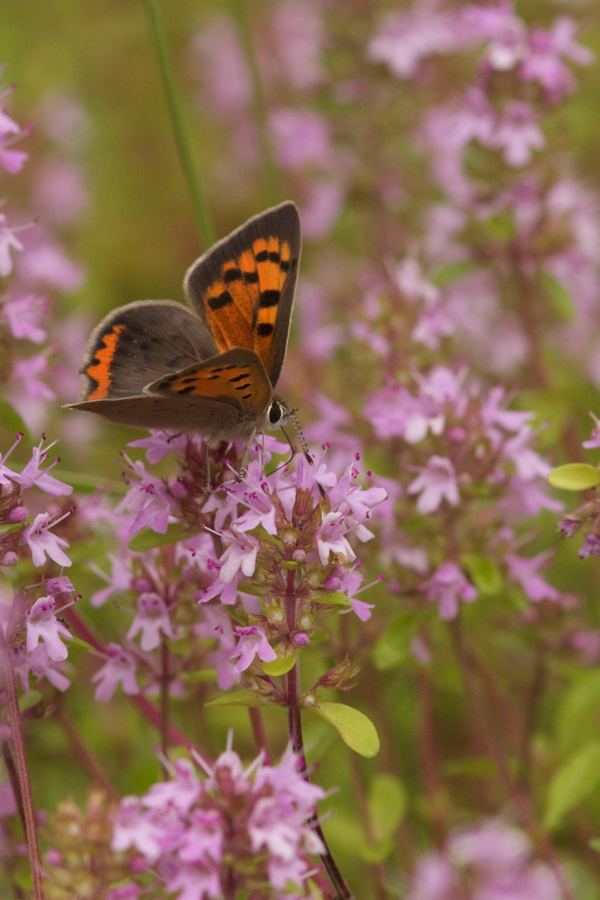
pixel 276 412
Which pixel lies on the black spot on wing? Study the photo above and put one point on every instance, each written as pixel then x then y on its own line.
pixel 219 302
pixel 232 275
pixel 269 298
pixel 265 329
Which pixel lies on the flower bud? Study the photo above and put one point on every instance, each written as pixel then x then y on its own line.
pixel 16 515
pixel 10 558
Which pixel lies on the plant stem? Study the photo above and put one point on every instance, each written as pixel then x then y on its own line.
pixel 292 683
pixel 16 727
pixel 181 134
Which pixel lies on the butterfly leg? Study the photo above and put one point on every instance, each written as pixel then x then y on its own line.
pixel 244 462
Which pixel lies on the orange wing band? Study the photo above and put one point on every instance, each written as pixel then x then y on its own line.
pixel 101 371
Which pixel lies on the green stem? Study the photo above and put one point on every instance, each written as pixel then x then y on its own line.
pixel 182 138
pixel 271 183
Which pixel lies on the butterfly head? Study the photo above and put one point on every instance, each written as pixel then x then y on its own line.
pixel 278 415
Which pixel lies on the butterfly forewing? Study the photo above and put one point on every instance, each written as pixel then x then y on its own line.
pixel 135 342
pixel 243 287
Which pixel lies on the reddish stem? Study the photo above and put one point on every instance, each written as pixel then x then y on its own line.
pixel 16 727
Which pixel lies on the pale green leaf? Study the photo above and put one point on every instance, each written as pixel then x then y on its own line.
pixel 239 698
pixel 484 574
pixel 393 647
pixel 355 729
pixel 281 665
pixel 387 803
pixel 148 539
pixel 12 421
pixel 573 783
pixel 574 477
pixel 559 296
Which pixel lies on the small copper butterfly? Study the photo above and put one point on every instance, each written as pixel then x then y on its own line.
pixel 210 370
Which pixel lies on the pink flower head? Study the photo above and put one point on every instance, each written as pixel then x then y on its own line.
pixel 33 474
pixel 152 620
pixel 28 371
pixel 147 499
pixel 446 586
pixel 404 39
pixel 544 62
pixel 436 482
pixel 160 443
pixel 43 625
pixel 594 441
pixel 118 669
pixel 517 134
pixel 252 642
pixel 8 242
pixel 22 315
pixel 301 138
pixel 505 33
pixel 525 572
pixel 43 543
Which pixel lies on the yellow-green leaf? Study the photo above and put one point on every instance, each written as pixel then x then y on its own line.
pixel 355 729
pixel 148 539
pixel 559 296
pixel 387 802
pixel 335 598
pixel 239 698
pixel 281 665
pixel 574 477
pixel 12 421
pixel 573 783
pixel 484 574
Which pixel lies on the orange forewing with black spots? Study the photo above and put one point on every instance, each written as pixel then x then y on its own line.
pixel 244 287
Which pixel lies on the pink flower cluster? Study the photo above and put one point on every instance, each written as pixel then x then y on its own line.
pixel 247 828
pixel 492 859
pixel 465 445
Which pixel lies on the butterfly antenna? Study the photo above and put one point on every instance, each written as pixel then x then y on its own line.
pixel 301 437
pixel 288 461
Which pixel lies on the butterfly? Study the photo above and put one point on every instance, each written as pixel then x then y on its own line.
pixel 211 369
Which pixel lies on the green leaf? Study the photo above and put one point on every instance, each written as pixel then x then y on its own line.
pixel 576 720
pixel 12 421
pixel 281 665
pixel 199 676
pixel 574 477
pixel 78 642
pixel 559 296
pixel 573 783
pixel 453 272
pixel 89 484
pixel 594 844
pixel 393 647
pixel 387 803
pixel 374 853
pixel 484 574
pixel 239 698
pixel 148 539
pixel 355 729
pixel 335 598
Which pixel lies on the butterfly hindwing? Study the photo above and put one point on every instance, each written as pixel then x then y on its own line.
pixel 236 378
pixel 243 288
pixel 211 418
pixel 136 342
